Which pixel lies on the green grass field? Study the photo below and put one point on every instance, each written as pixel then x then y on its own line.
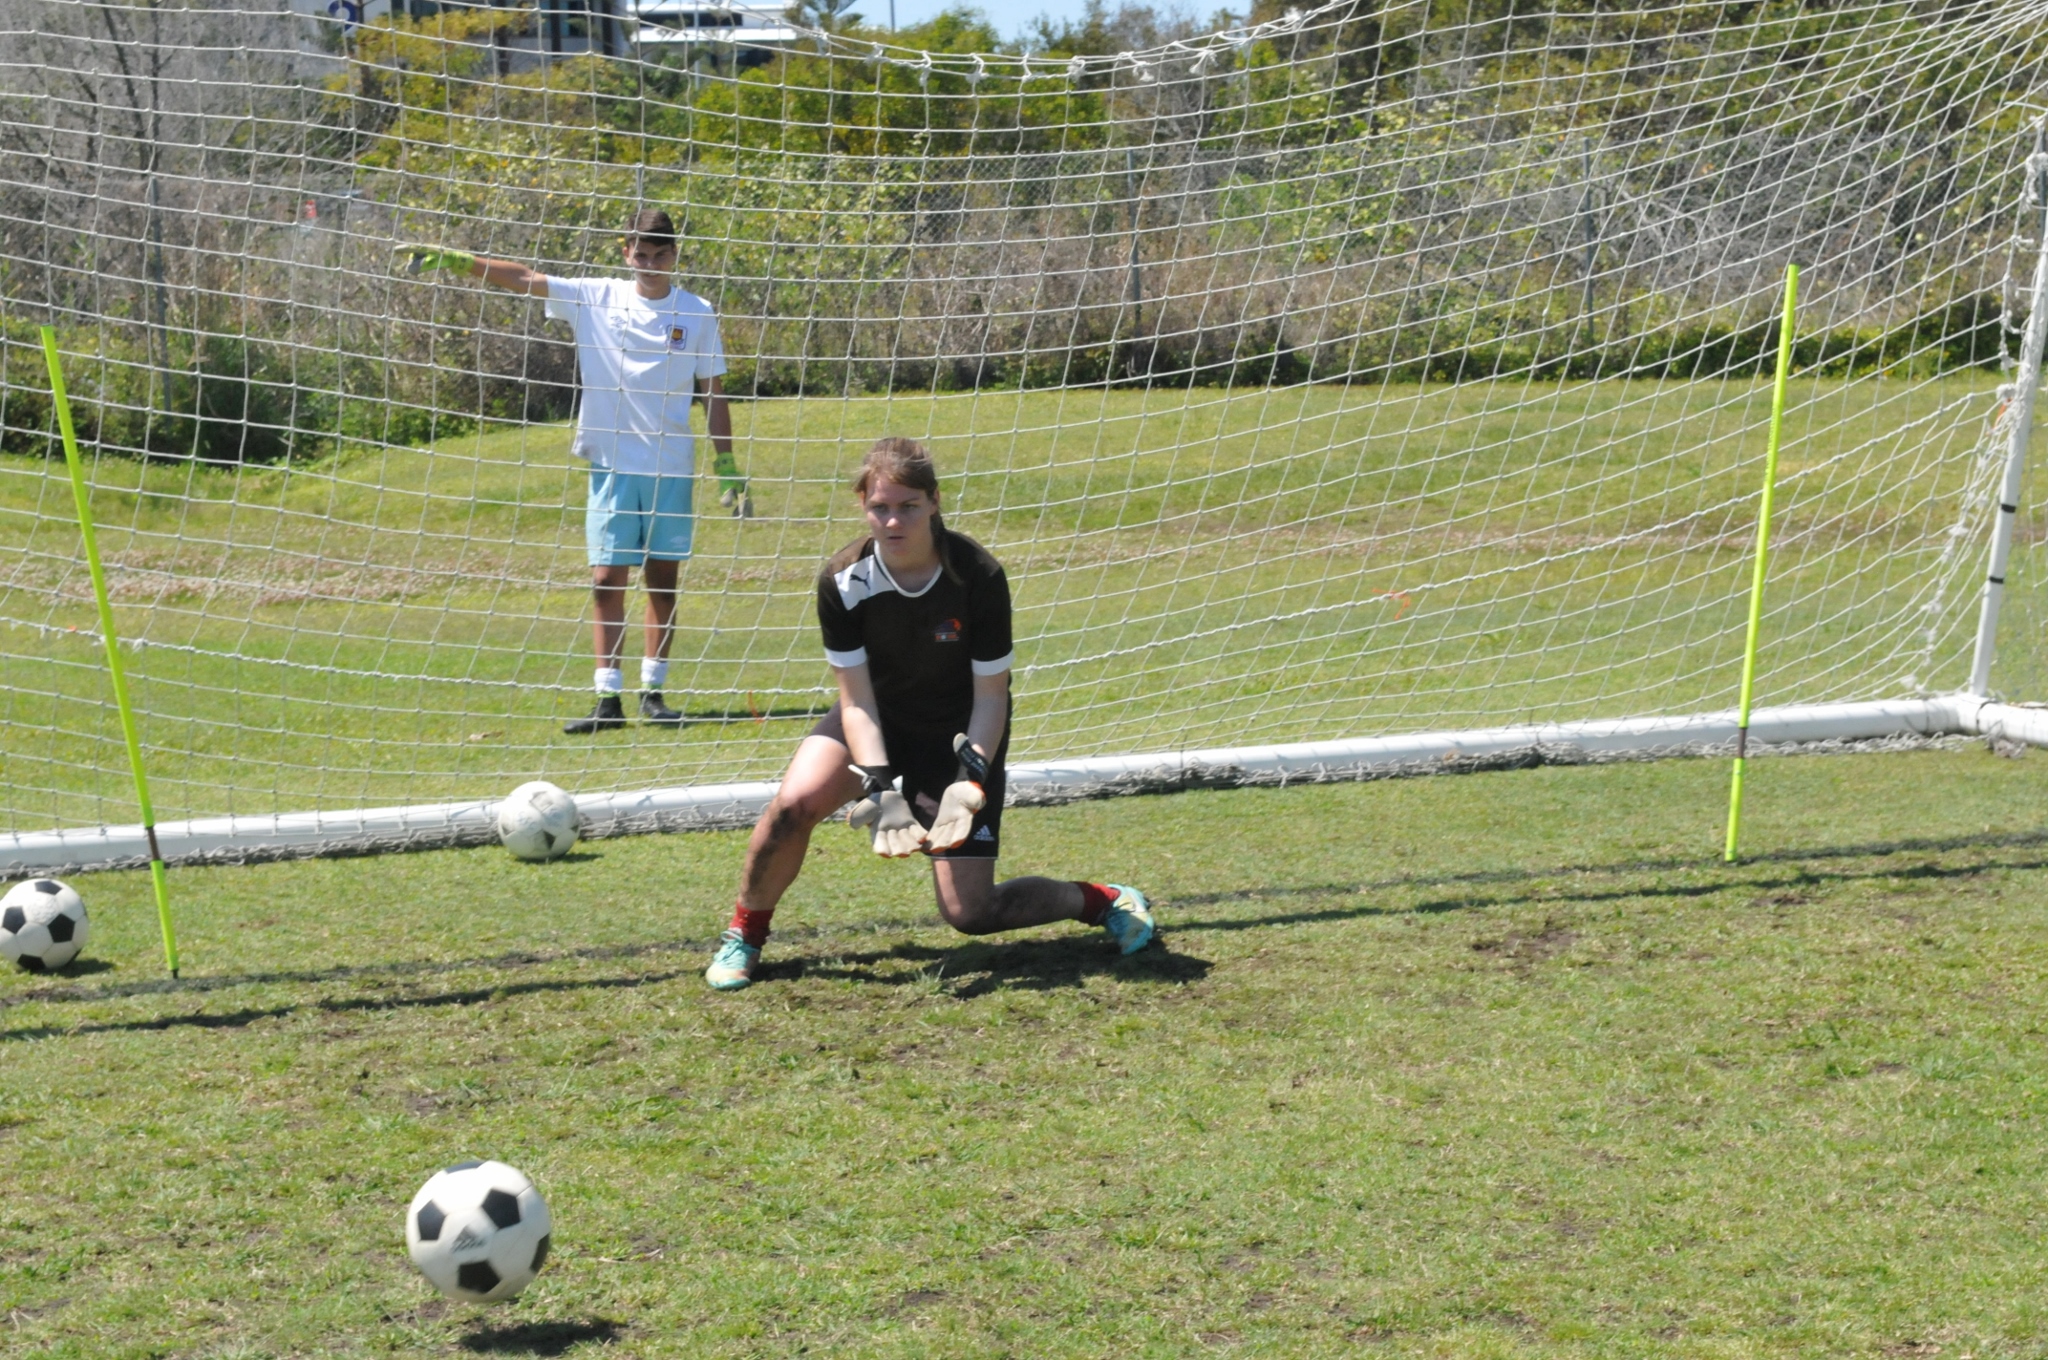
pixel 1221 567
pixel 1495 1065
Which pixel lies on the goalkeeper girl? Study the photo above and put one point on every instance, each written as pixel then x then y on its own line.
pixel 916 621
pixel 644 350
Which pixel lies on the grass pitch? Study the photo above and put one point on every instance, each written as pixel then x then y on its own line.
pixel 1497 1065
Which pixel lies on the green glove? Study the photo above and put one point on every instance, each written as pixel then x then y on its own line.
pixel 732 488
pixel 435 257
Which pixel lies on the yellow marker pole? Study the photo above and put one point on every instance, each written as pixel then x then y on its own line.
pixel 1763 551
pixel 99 591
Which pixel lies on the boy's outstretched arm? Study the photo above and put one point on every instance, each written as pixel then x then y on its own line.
pixel 507 274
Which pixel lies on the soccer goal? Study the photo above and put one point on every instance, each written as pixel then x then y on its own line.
pixel 1358 390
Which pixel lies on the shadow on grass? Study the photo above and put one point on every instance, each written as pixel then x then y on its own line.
pixel 762 713
pixel 542 1338
pixel 331 1006
pixel 962 973
pixel 84 968
pixel 350 972
pixel 1803 878
pixel 1551 897
pixel 402 968
pixel 976 969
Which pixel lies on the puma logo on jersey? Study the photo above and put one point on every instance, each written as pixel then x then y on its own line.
pixel 947 631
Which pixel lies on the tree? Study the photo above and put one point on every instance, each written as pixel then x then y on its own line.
pixel 830 16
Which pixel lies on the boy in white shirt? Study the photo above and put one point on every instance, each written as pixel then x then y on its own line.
pixel 644 351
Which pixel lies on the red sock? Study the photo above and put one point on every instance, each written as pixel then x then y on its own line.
pixel 752 925
pixel 1096 900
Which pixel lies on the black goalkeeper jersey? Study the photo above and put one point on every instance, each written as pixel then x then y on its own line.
pixel 924 650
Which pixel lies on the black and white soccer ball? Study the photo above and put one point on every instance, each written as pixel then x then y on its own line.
pixel 42 924
pixel 538 821
pixel 478 1231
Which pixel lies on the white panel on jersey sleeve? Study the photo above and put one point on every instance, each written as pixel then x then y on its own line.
pixel 997 666
pixel 847 660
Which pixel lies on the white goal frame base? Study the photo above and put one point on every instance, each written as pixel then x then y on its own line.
pixel 437 825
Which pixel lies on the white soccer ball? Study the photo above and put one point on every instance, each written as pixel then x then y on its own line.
pixel 478 1231
pixel 538 821
pixel 42 925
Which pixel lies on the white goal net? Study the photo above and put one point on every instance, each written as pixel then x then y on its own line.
pixel 1366 370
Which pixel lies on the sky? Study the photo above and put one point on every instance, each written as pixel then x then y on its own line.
pixel 1011 17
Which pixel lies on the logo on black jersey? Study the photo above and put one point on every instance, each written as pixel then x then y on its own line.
pixel 947 631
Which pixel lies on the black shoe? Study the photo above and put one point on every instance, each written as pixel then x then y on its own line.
pixel 653 710
pixel 609 713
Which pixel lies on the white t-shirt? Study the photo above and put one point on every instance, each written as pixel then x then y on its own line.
pixel 640 361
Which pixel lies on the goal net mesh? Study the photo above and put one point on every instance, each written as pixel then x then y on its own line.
pixel 1353 371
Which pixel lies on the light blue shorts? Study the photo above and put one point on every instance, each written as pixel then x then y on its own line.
pixel 633 516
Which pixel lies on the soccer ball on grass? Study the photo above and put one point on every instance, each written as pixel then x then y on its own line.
pixel 538 821
pixel 478 1231
pixel 42 925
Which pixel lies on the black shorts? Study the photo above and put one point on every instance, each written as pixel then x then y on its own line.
pixel 925 759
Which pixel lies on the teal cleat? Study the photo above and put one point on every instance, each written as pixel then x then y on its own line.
pixel 1129 922
pixel 732 967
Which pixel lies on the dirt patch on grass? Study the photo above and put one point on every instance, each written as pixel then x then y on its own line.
pixel 17 1317
pixel 1525 949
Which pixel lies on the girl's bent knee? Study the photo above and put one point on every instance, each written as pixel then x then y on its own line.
pixel 975 920
pixel 795 815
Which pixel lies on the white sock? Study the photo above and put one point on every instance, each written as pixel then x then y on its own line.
pixel 653 672
pixel 611 680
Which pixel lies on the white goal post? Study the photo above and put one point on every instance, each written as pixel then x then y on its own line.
pixel 1364 390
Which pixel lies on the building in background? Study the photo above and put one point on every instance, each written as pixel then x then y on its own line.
pixel 739 35
pixel 744 33
pixel 551 28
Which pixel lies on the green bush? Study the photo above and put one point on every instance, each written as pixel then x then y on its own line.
pixel 238 401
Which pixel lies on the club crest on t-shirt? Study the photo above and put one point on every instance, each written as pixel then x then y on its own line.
pixel 678 337
pixel 947 631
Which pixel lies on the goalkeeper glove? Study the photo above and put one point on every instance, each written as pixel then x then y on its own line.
pixel 894 827
pixel 732 488
pixel 963 798
pixel 434 257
